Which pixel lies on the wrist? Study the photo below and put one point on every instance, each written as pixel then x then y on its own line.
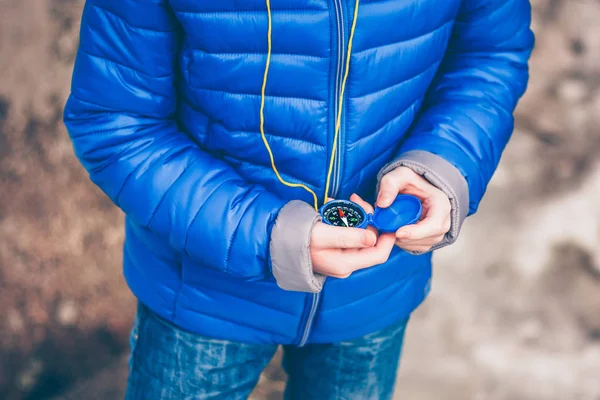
pixel 290 257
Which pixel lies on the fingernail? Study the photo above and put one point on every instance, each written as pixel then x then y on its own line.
pixel 383 200
pixel 369 239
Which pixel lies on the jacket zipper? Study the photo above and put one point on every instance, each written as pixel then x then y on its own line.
pixel 341 31
pixel 341 34
pixel 310 319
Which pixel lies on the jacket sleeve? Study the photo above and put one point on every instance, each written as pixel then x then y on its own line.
pixel 120 117
pixel 467 115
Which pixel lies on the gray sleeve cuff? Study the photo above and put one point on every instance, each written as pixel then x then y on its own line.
pixel 442 175
pixel 290 248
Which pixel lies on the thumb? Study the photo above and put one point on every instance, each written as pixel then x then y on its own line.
pixel 389 187
pixel 327 236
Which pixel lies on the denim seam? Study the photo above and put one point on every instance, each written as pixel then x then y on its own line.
pixel 141 324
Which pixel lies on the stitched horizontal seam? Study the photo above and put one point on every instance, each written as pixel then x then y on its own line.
pixel 273 135
pixel 236 321
pixel 383 154
pixel 258 95
pixel 127 256
pixel 284 175
pixel 353 326
pixel 185 169
pixel 153 31
pixel 256 53
pixel 403 280
pixel 89 103
pixel 373 161
pixel 110 161
pixel 407 109
pixel 391 288
pixel 127 67
pixel 201 284
pixel 194 109
pixel 452 95
pixel 404 40
pixel 513 48
pixel 100 131
pixel 496 11
pixel 108 110
pixel 498 108
pixel 189 227
pixel 137 167
pixel 487 134
pixel 461 145
pixel 389 295
pixel 495 82
pixel 260 11
pixel 114 111
pixel 405 81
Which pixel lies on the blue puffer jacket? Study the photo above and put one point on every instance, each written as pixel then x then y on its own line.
pixel 164 115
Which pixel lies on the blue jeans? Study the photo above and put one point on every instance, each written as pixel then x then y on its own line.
pixel 169 363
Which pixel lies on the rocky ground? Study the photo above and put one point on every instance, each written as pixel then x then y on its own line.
pixel 515 308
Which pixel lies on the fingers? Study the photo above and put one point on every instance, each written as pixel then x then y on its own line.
pixel 435 221
pixel 429 228
pixel 415 248
pixel 366 206
pixel 326 236
pixel 391 184
pixel 401 180
pixel 358 200
pixel 420 245
pixel 368 257
pixel 342 263
pixel 435 224
pixel 339 251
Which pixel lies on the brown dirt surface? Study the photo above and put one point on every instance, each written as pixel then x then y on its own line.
pixel 67 310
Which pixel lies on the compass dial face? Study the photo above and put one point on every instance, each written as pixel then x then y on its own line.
pixel 343 214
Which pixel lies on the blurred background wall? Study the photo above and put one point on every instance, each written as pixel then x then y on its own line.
pixel 515 308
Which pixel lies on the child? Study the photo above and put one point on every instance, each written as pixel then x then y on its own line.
pixel 220 127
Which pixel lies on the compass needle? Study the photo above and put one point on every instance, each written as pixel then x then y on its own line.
pixel 344 213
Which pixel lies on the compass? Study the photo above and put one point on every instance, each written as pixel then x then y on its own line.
pixel 344 213
pixel 405 210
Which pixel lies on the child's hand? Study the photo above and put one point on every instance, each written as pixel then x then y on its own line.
pixel 435 222
pixel 339 251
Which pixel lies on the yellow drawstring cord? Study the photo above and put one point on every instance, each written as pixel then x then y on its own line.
pixel 262 119
pixel 338 119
